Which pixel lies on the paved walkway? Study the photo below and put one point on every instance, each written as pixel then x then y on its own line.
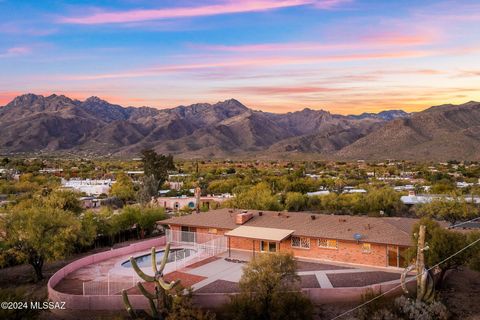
pixel 231 271
pixel 217 270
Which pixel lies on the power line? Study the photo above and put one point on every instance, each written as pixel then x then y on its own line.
pixel 398 286
pixel 461 223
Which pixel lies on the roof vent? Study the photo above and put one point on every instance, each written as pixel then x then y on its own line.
pixel 260 213
pixel 342 220
pixel 312 217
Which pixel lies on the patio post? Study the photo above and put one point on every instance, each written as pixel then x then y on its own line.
pixel 229 248
pixel 253 248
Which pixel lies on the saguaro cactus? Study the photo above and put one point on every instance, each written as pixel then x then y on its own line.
pixel 161 299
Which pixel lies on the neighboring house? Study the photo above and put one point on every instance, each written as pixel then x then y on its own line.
pixel 350 239
pixel 353 190
pixel 55 171
pixel 175 185
pixel 408 187
pixel 177 203
pixel 90 202
pixel 318 193
pixel 90 187
pixel 135 174
pixel 413 199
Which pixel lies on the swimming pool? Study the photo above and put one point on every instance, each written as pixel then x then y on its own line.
pixel 146 260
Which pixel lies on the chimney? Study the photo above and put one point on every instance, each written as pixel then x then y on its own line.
pixel 243 217
pixel 198 192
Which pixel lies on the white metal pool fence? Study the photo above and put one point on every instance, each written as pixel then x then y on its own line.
pixel 201 245
pixel 112 286
pixel 204 244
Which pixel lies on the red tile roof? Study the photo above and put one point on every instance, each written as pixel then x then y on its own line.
pixel 387 230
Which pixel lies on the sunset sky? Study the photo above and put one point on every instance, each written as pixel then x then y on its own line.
pixel 345 56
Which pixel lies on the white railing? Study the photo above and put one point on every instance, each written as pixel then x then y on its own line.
pixel 204 245
pixel 201 245
pixel 112 286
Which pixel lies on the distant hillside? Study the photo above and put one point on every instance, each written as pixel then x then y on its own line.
pixel 438 133
pixel 385 115
pixel 57 124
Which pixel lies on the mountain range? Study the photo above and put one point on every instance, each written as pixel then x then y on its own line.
pixel 35 124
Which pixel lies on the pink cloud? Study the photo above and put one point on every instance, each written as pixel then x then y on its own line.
pixel 279 90
pixel 261 61
pixel 366 42
pixel 399 39
pixel 228 7
pixel 15 51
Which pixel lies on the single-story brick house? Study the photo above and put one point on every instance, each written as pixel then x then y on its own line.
pixel 350 239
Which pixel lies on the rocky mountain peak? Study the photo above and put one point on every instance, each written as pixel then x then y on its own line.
pixel 26 99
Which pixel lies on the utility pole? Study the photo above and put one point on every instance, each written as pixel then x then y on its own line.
pixel 420 264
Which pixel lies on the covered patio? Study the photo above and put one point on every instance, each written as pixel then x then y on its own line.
pixel 269 239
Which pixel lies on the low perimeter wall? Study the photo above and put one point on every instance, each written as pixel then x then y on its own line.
pixel 318 295
pixel 205 300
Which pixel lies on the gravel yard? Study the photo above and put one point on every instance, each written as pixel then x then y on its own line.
pixel 361 279
pixel 309 281
pixel 222 286
pixel 313 266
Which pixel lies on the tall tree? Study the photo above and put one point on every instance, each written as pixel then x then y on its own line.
pixel 442 244
pixel 148 189
pixel 38 234
pixel 157 165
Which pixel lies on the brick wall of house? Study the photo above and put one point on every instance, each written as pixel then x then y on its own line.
pixel 347 251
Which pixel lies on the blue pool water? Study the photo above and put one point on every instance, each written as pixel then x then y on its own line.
pixel 146 260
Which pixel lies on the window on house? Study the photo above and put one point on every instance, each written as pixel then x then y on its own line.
pixel 366 247
pixel 268 246
pixel 328 243
pixel 300 242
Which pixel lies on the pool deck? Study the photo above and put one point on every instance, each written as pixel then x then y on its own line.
pixel 223 272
